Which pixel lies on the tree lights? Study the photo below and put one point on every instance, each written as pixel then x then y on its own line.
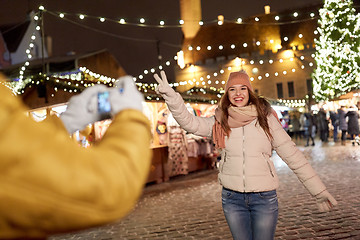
pixel 337 50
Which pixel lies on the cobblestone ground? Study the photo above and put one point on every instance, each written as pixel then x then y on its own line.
pixel 189 207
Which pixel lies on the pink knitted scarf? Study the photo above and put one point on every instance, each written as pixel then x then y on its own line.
pixel 238 117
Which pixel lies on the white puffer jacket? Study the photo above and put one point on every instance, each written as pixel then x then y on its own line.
pixel 245 164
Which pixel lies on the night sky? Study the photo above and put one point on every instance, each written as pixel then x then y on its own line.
pixel 141 50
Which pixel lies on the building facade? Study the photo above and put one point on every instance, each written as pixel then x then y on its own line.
pixel 275 49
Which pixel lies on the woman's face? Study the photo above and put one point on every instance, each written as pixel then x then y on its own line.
pixel 238 95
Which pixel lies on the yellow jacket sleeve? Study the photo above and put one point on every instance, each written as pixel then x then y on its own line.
pixel 50 184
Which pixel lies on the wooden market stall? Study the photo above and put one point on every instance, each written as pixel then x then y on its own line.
pixel 174 151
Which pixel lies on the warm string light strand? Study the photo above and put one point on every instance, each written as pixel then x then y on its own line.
pixel 142 22
pixel 28 51
pixel 20 83
pixel 167 63
pixel 83 78
pixel 203 80
pixel 122 21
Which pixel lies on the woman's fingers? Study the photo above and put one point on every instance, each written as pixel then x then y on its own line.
pixel 157 78
pixel 164 79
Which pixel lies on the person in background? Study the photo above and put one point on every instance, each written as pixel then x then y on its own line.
pixel 310 128
pixel 323 125
pixel 343 125
pixel 295 123
pixel 285 121
pixel 353 125
pixel 51 185
pixel 246 129
pixel 302 124
pixel 334 117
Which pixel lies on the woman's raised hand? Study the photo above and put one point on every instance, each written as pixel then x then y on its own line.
pixel 163 88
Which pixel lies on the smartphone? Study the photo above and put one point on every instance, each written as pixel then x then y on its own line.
pixel 104 106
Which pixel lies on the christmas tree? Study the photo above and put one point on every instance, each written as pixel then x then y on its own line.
pixel 337 50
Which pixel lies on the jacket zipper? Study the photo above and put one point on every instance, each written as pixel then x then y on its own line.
pixel 243 146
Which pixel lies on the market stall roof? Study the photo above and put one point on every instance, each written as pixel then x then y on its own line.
pixel 70 63
pixel 351 94
pixel 59 83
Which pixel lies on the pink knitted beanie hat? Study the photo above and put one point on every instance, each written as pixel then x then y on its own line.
pixel 240 77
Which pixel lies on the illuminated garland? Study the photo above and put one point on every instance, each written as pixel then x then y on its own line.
pixel 200 81
pixel 293 102
pixel 211 77
pixel 200 95
pixel 203 80
pixel 232 46
pixel 168 63
pixel 72 81
pixel 77 81
pixel 198 48
pixel 83 75
pixel 29 49
pixel 337 50
pixel 142 22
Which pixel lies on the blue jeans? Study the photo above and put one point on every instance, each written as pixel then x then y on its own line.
pixel 251 216
pixel 335 132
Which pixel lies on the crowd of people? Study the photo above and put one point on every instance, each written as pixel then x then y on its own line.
pixel 340 125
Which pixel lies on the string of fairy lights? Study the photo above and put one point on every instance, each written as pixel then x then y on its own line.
pixel 143 22
pixel 202 80
pixel 78 80
pixel 73 82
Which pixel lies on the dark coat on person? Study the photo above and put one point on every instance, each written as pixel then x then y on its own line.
pixel 342 120
pixel 334 117
pixel 322 121
pixel 353 122
pixel 309 123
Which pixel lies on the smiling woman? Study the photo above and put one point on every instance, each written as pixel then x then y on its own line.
pixel 245 129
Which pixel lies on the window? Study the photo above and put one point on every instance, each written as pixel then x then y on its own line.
pixel 291 89
pixel 279 88
pixel 309 86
